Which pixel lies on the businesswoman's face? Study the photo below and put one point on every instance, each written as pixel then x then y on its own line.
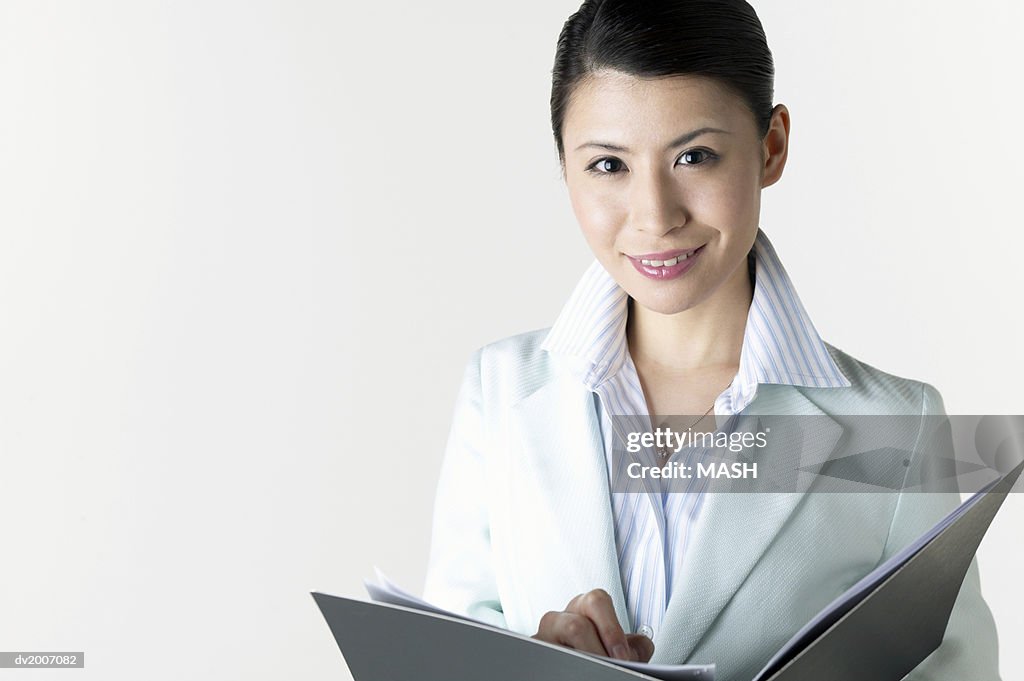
pixel 659 169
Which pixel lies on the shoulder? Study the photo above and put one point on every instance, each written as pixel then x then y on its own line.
pixel 512 367
pixel 874 391
pixel 522 349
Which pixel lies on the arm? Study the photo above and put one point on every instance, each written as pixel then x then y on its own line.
pixel 460 573
pixel 460 570
pixel 969 649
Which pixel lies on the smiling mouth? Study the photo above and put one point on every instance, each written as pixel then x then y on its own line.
pixel 659 260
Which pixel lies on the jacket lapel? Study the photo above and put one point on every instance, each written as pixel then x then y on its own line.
pixel 563 474
pixel 734 529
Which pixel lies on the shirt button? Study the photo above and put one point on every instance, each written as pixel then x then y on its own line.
pixel 647 631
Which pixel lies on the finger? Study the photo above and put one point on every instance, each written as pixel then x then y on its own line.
pixel 597 606
pixel 572 630
pixel 642 646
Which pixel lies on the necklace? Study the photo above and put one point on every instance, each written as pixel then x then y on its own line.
pixel 663 452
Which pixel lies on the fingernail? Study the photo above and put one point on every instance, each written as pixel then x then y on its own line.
pixel 620 652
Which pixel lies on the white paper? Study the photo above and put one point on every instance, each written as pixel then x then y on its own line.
pixel 389 592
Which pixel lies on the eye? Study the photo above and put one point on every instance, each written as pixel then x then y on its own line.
pixel 696 157
pixel 604 166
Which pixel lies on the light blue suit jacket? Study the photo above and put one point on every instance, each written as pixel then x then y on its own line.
pixel 523 522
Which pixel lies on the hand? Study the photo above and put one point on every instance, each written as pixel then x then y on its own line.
pixel 589 624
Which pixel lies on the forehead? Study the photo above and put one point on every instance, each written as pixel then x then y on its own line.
pixel 647 110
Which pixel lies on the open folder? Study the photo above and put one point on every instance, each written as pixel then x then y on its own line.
pixel 879 629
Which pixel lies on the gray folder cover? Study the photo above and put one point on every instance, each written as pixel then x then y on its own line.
pixel 383 642
pixel 880 629
pixel 887 623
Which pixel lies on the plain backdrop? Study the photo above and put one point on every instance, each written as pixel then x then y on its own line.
pixel 246 249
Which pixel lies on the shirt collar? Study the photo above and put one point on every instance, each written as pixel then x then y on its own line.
pixel 780 344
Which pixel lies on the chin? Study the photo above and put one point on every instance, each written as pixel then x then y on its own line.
pixel 664 304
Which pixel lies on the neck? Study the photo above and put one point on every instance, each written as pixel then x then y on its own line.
pixel 705 336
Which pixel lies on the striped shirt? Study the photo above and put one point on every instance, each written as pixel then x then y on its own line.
pixel 780 345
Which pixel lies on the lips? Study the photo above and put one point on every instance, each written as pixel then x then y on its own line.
pixel 665 264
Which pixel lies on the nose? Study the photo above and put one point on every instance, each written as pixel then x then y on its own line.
pixel 656 203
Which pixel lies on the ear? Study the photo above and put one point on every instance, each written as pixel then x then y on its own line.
pixel 775 146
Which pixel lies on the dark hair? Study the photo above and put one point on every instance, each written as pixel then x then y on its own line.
pixel 720 39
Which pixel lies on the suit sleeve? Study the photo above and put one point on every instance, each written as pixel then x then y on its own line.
pixel 460 569
pixel 969 649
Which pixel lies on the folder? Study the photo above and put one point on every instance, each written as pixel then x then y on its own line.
pixel 879 629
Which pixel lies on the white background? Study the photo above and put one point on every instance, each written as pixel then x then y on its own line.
pixel 247 247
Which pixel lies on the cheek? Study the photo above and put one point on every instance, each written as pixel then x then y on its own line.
pixel 598 215
pixel 728 200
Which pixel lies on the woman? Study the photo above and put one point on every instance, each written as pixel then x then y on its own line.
pixel 663 120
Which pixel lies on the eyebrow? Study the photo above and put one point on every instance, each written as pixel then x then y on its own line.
pixel 679 141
